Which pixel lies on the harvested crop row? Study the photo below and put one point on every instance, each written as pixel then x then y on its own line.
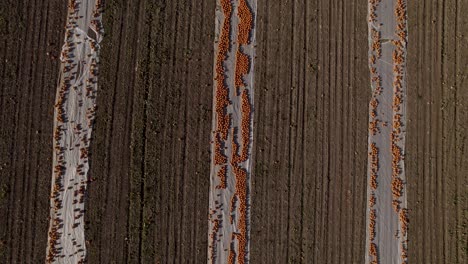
pixel 387 218
pixel 398 124
pixel 232 133
pixel 74 115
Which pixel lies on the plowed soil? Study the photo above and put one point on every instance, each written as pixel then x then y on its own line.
pixel 150 151
pixel 31 37
pixel 437 143
pixel 312 90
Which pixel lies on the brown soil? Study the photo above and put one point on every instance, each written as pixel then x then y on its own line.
pixel 311 124
pixel 150 152
pixel 150 149
pixel 31 36
pixel 436 160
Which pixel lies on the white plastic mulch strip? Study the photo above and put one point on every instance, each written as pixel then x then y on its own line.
pixel 74 115
pixel 387 219
pixel 232 132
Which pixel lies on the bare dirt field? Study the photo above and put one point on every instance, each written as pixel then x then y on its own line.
pixel 437 142
pixel 150 152
pixel 150 148
pixel 31 37
pixel 308 194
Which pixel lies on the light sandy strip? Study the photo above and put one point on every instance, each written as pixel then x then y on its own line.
pixel 232 132
pixel 74 115
pixel 386 240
